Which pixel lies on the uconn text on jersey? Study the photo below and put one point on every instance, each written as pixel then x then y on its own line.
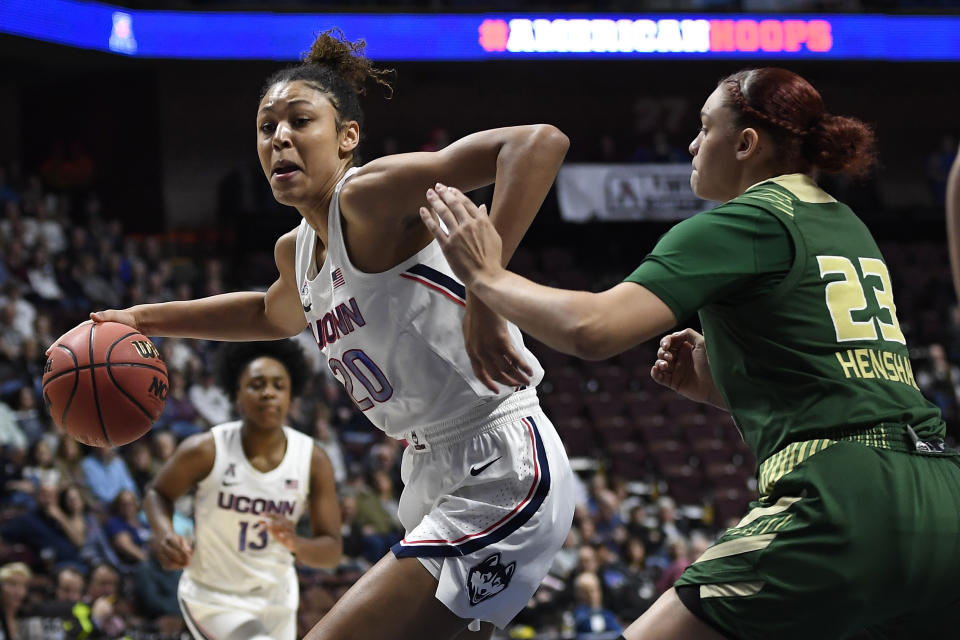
pixel 256 506
pixel 338 322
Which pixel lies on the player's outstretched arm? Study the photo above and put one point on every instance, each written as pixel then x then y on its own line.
pixel 190 463
pixel 953 222
pixel 588 325
pixel 325 547
pixel 241 315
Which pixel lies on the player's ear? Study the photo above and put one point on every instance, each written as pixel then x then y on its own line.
pixel 748 143
pixel 349 136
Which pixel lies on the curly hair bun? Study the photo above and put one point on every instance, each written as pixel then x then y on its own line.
pixel 838 144
pixel 332 49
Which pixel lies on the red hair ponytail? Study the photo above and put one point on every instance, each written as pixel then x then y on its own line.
pixel 789 108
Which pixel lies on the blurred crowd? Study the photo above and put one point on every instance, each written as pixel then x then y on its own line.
pixel 659 476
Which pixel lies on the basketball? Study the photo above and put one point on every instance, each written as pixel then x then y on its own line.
pixel 104 384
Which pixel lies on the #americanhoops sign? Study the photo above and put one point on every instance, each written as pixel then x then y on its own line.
pixel 589 192
pixel 271 35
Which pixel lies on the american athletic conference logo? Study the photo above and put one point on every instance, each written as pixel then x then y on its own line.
pixel 489 578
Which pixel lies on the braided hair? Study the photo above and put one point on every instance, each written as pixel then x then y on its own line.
pixel 792 111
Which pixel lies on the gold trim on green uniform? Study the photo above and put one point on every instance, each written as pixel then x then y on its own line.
pixel 882 436
pixel 781 505
pixel 731 589
pixel 803 187
pixel 786 460
pixel 736 547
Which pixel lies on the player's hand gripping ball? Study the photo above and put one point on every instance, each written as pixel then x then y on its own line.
pixel 104 383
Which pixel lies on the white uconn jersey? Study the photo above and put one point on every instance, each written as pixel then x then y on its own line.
pixel 394 339
pixel 234 552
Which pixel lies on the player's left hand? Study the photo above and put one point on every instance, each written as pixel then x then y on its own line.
pixel 492 354
pixel 471 244
pixel 282 529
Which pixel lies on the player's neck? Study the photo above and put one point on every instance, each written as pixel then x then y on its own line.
pixel 260 441
pixel 317 212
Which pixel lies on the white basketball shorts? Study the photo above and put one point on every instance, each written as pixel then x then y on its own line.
pixel 487 502
pixel 216 615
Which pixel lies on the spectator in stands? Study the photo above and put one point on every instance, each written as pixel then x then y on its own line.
pixel 127 534
pixel 326 436
pixel 101 605
pixel 24 313
pixel 10 433
pixel 18 225
pixel 80 524
pixel 41 529
pixel 678 551
pixel 587 561
pixel 36 472
pixel 16 259
pixel 376 516
pixel 69 461
pixel 610 528
pixel 179 415
pixel 14 578
pixel 28 417
pixel 74 298
pixel 55 619
pixel 43 330
pixel 670 527
pixel 40 469
pixel 164 444
pixel 107 474
pixel 567 557
pixel 640 581
pixel 210 401
pixel 939 380
pixel 49 230
pixel 11 338
pixel 593 621
pixel 96 289
pixel 141 463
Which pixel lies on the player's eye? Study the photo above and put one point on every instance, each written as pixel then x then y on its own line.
pixel 267 127
pixel 301 121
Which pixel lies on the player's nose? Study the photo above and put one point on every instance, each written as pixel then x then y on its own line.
pixel 281 137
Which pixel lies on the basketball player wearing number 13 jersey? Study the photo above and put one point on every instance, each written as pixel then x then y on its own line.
pixel 487 497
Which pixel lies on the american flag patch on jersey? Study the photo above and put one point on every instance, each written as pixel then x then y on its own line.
pixel 291 484
pixel 337 277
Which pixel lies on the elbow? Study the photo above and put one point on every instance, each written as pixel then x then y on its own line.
pixel 550 139
pixel 589 342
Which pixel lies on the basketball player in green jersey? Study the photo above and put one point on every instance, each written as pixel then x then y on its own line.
pixel 856 533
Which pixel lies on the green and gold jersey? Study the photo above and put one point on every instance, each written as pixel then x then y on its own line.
pixel 797 310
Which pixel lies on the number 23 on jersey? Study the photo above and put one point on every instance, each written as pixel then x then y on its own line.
pixel 848 294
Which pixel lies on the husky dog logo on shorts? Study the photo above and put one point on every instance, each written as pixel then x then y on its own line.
pixel 489 578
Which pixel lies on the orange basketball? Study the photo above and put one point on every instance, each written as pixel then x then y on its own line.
pixel 104 384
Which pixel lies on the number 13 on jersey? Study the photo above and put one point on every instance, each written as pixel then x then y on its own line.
pixel 848 294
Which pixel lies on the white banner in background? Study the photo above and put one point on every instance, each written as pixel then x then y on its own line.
pixel 627 192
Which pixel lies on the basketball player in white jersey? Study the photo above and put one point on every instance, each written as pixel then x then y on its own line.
pixel 488 496
pixel 254 479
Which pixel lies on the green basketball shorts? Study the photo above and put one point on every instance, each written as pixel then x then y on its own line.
pixel 852 538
